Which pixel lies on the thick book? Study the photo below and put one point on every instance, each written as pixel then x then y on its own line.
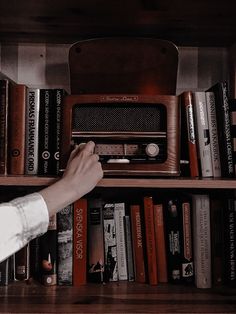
pixel 230 242
pixel 65 246
pixel 213 130
pixel 80 232
pixel 31 131
pixel 4 272
pixel 16 134
pixel 220 91
pixel 48 254
pixel 138 243
pixel 189 157
pixel 95 241
pixel 159 225
pixel 202 240
pixel 203 134
pixel 110 245
pixel 4 105
pixel 45 155
pixel 119 213
pixel 129 248
pixel 35 258
pixel 22 263
pixel 232 108
pixel 150 240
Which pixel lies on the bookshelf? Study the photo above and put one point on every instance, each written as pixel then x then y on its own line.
pixel 30 28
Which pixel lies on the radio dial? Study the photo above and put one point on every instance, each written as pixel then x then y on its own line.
pixel 152 150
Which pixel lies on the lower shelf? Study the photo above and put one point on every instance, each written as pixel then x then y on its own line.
pixel 115 298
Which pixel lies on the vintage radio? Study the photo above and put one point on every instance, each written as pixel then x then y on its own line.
pixel 134 134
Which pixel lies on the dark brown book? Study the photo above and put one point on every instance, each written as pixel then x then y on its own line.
pixel 4 103
pixel 22 263
pixel 188 136
pixel 16 135
pixel 138 243
pixel 150 240
pixel 80 242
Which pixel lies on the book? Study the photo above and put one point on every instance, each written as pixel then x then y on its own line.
pixel 203 134
pixel 95 241
pixel 16 131
pixel 4 104
pixel 232 108
pixel 80 232
pixel 45 154
pixel 119 213
pixel 230 242
pixel 220 91
pixel 159 225
pixel 150 240
pixel 202 240
pixel 22 263
pixel 34 248
pixel 65 246
pixel 110 245
pixel 4 272
pixel 129 248
pixel 31 131
pixel 138 243
pixel 213 130
pixel 189 156
pixel 48 254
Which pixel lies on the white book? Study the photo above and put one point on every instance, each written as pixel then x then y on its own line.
pixel 120 239
pixel 215 151
pixel 203 135
pixel 202 240
pixel 32 131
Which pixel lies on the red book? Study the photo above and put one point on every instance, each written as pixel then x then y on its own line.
pixel 80 242
pixel 138 245
pixel 150 240
pixel 16 136
pixel 160 243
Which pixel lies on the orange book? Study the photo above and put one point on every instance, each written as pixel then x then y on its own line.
pixel 150 240
pixel 80 242
pixel 16 141
pixel 138 245
pixel 160 243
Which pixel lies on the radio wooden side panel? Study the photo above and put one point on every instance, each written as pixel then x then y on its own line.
pixel 127 164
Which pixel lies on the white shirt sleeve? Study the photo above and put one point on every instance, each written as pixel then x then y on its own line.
pixel 21 220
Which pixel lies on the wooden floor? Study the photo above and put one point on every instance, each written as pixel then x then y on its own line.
pixel 115 298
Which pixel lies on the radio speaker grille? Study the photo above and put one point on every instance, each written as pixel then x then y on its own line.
pixel 118 117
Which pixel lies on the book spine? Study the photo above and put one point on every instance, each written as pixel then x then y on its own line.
pixel 95 241
pixel 45 154
pixel 173 240
pixel 110 245
pixel 215 151
pixel 4 272
pixel 80 242
pixel 232 108
pixel 190 129
pixel 119 211
pixel 48 254
pixel 138 243
pixel 150 240
pixel 160 243
pixel 56 128
pixel 31 131
pixel 230 244
pixel 4 102
pixel 203 135
pixel 65 246
pixel 22 264
pixel 129 249
pixel 16 134
pixel 35 258
pixel 202 240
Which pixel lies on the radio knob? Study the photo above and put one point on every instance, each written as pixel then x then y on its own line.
pixel 152 150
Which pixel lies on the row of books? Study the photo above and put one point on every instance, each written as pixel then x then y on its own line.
pixel 208 126
pixel 29 129
pixel 177 239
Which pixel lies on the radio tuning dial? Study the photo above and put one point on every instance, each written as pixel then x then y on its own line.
pixel 152 150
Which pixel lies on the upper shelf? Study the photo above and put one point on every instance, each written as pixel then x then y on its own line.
pixel 186 22
pixel 187 183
